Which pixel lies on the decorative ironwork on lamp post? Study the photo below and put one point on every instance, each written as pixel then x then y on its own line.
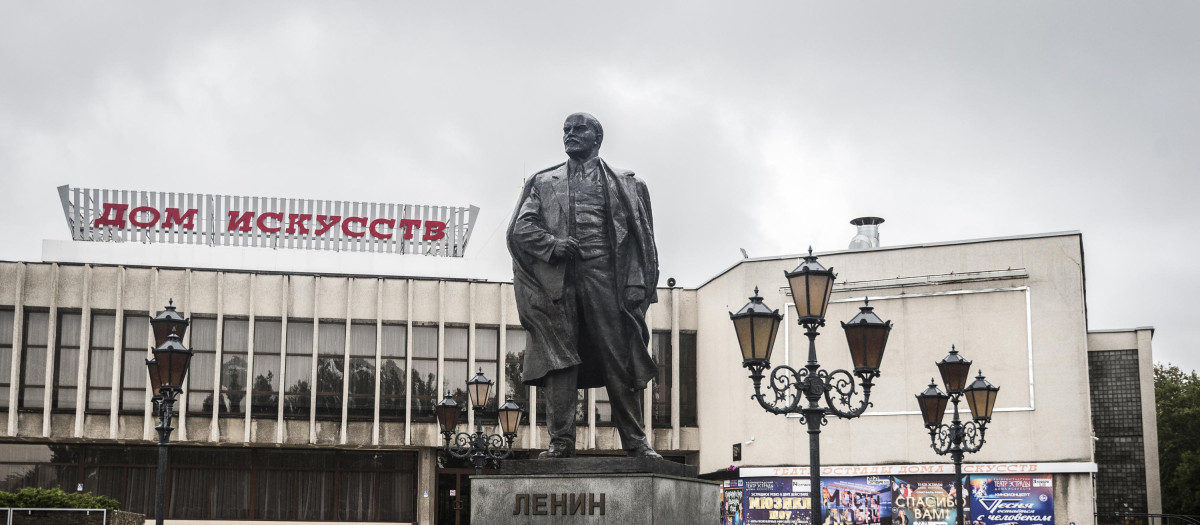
pixel 826 392
pixel 167 370
pixel 958 437
pixel 478 446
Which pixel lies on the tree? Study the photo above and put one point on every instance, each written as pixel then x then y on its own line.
pixel 1178 399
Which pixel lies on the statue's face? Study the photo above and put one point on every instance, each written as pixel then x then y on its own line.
pixel 579 138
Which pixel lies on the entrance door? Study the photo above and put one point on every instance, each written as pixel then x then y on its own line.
pixel 454 496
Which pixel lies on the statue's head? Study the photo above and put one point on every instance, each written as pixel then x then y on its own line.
pixel 582 135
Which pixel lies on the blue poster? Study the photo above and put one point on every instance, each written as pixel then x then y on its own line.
pixel 857 501
pixel 1017 498
pixel 926 500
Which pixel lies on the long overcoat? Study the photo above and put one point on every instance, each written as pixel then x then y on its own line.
pixel 539 222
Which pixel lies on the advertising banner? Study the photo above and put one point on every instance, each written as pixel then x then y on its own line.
pixel 925 500
pixel 857 501
pixel 776 500
pixel 1026 499
pixel 121 216
pixel 731 502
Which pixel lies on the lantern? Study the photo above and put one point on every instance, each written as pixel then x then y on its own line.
pixel 955 371
pixel 866 335
pixel 933 404
pixel 478 388
pixel 756 326
pixel 981 397
pixel 510 415
pixel 170 364
pixel 168 322
pixel 811 286
pixel 447 413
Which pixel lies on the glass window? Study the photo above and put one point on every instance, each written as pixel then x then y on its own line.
pixel 100 362
pixel 392 372
pixel 66 366
pixel 487 353
pixel 424 373
pixel 204 362
pixel 687 379
pixel 515 340
pixel 298 390
pixel 581 403
pixel 603 406
pixel 235 343
pixel 455 365
pixel 360 403
pixel 210 483
pixel 264 392
pixel 33 361
pixel 331 360
pixel 661 404
pixel 135 352
pixel 6 340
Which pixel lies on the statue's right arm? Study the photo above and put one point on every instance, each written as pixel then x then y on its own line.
pixel 530 233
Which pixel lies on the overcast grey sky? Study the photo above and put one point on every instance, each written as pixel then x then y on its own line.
pixel 757 125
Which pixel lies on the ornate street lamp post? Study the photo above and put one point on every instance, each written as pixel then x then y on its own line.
pixel 478 446
pixel 827 392
pixel 958 437
pixel 167 370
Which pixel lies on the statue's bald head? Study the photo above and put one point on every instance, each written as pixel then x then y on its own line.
pixel 582 135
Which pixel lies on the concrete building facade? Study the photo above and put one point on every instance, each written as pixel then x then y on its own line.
pixel 310 397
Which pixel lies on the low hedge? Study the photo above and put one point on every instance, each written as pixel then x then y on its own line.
pixel 33 498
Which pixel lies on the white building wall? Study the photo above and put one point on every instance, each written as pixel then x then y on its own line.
pixel 1031 297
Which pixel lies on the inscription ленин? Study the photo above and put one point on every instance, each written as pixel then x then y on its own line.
pixel 559 504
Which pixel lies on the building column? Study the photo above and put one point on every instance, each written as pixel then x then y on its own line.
pixel 378 359
pixel 51 350
pixel 346 362
pixel 14 376
pixel 85 348
pixel 408 363
pixel 247 430
pixel 675 379
pixel 114 405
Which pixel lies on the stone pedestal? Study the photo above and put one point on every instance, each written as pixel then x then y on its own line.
pixel 595 491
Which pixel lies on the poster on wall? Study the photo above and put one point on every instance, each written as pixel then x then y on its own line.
pixel 925 500
pixel 1019 498
pixel 857 501
pixel 776 500
pixel 731 502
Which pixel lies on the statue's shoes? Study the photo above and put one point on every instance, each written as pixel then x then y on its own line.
pixel 643 452
pixel 555 452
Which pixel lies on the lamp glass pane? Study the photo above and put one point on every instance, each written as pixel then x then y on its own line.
pixel 179 367
pixel 155 377
pixel 856 339
pixel 991 402
pixel 742 327
pixel 765 329
pixel 876 343
pixel 799 284
pixel 820 286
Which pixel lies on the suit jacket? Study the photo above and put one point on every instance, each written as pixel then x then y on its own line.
pixel 540 222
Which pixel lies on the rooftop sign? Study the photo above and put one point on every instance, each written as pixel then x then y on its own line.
pixel 266 222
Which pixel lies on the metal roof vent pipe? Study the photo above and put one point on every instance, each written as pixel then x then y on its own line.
pixel 868 233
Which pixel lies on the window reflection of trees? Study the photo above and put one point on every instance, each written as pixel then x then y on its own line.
pixel 298 369
pixel 392 372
